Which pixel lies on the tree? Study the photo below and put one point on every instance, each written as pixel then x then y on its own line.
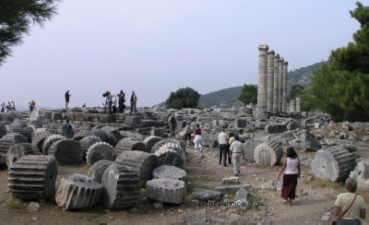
pixel 183 98
pixel 296 90
pixel 249 94
pixel 341 87
pixel 16 18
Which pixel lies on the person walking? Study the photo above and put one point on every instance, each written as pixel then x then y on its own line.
pixel 66 97
pixel 187 132
pixel 236 151
pixel 172 122
pixel 198 137
pixel 349 206
pixel 133 102
pixel 223 147
pixel 67 129
pixel 291 171
pixel 230 141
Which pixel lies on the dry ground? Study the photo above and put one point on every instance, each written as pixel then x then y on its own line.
pixel 315 199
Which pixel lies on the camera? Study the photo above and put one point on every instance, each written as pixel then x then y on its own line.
pixel 106 94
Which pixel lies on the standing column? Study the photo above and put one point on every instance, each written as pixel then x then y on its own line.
pixel 261 107
pixel 280 83
pixel 298 104
pixel 284 94
pixel 270 80
pixel 275 83
pixel 292 106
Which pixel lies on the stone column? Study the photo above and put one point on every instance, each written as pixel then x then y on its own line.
pixel 292 106
pixel 298 104
pixel 280 83
pixel 284 93
pixel 275 83
pixel 270 80
pixel 262 84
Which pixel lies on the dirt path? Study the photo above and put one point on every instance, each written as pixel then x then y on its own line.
pixel 312 203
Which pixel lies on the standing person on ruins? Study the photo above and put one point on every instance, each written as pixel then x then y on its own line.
pixel 3 107
pixel 109 99
pixel 172 122
pixel 121 101
pixel 187 132
pixel 223 147
pixel 133 102
pixel 67 129
pixel 350 207
pixel 67 96
pixel 291 168
pixel 114 104
pixel 198 137
pixel 236 150
pixel 32 105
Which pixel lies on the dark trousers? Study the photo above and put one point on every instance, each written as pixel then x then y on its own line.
pixel 223 152
pixel 188 137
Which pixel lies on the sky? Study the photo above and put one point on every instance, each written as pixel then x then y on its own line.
pixel 156 47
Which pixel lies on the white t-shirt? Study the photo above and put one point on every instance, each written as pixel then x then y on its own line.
pixel 291 167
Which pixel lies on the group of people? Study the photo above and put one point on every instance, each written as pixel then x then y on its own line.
pixel 197 137
pixel 115 103
pixel 119 99
pixel 230 150
pixel 8 107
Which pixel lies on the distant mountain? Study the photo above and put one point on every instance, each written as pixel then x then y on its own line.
pixel 228 97
pixel 225 98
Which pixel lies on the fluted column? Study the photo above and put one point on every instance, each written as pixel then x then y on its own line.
pixel 298 104
pixel 275 83
pixel 292 106
pixel 270 80
pixel 280 83
pixel 261 106
pixel 284 93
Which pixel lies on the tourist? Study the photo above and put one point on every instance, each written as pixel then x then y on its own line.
pixel 67 96
pixel 223 148
pixel 32 105
pixel 114 104
pixel 187 133
pixel 109 99
pixel 133 102
pixel 172 123
pixel 3 107
pixel 121 101
pixel 350 207
pixel 198 138
pixel 84 105
pixel 236 150
pixel 67 129
pixel 230 141
pixel 291 171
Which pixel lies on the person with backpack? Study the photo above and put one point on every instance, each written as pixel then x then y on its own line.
pixel 172 122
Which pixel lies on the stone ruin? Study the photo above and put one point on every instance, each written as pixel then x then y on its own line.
pixel 129 152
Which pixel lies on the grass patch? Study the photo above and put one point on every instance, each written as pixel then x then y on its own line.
pixel 15 204
pixel 317 182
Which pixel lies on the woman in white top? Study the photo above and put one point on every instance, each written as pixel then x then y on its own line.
pixel 291 168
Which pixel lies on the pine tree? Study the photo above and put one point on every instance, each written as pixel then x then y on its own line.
pixel 16 18
pixel 341 87
pixel 183 98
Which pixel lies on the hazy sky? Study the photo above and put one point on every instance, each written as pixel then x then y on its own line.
pixel 156 47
